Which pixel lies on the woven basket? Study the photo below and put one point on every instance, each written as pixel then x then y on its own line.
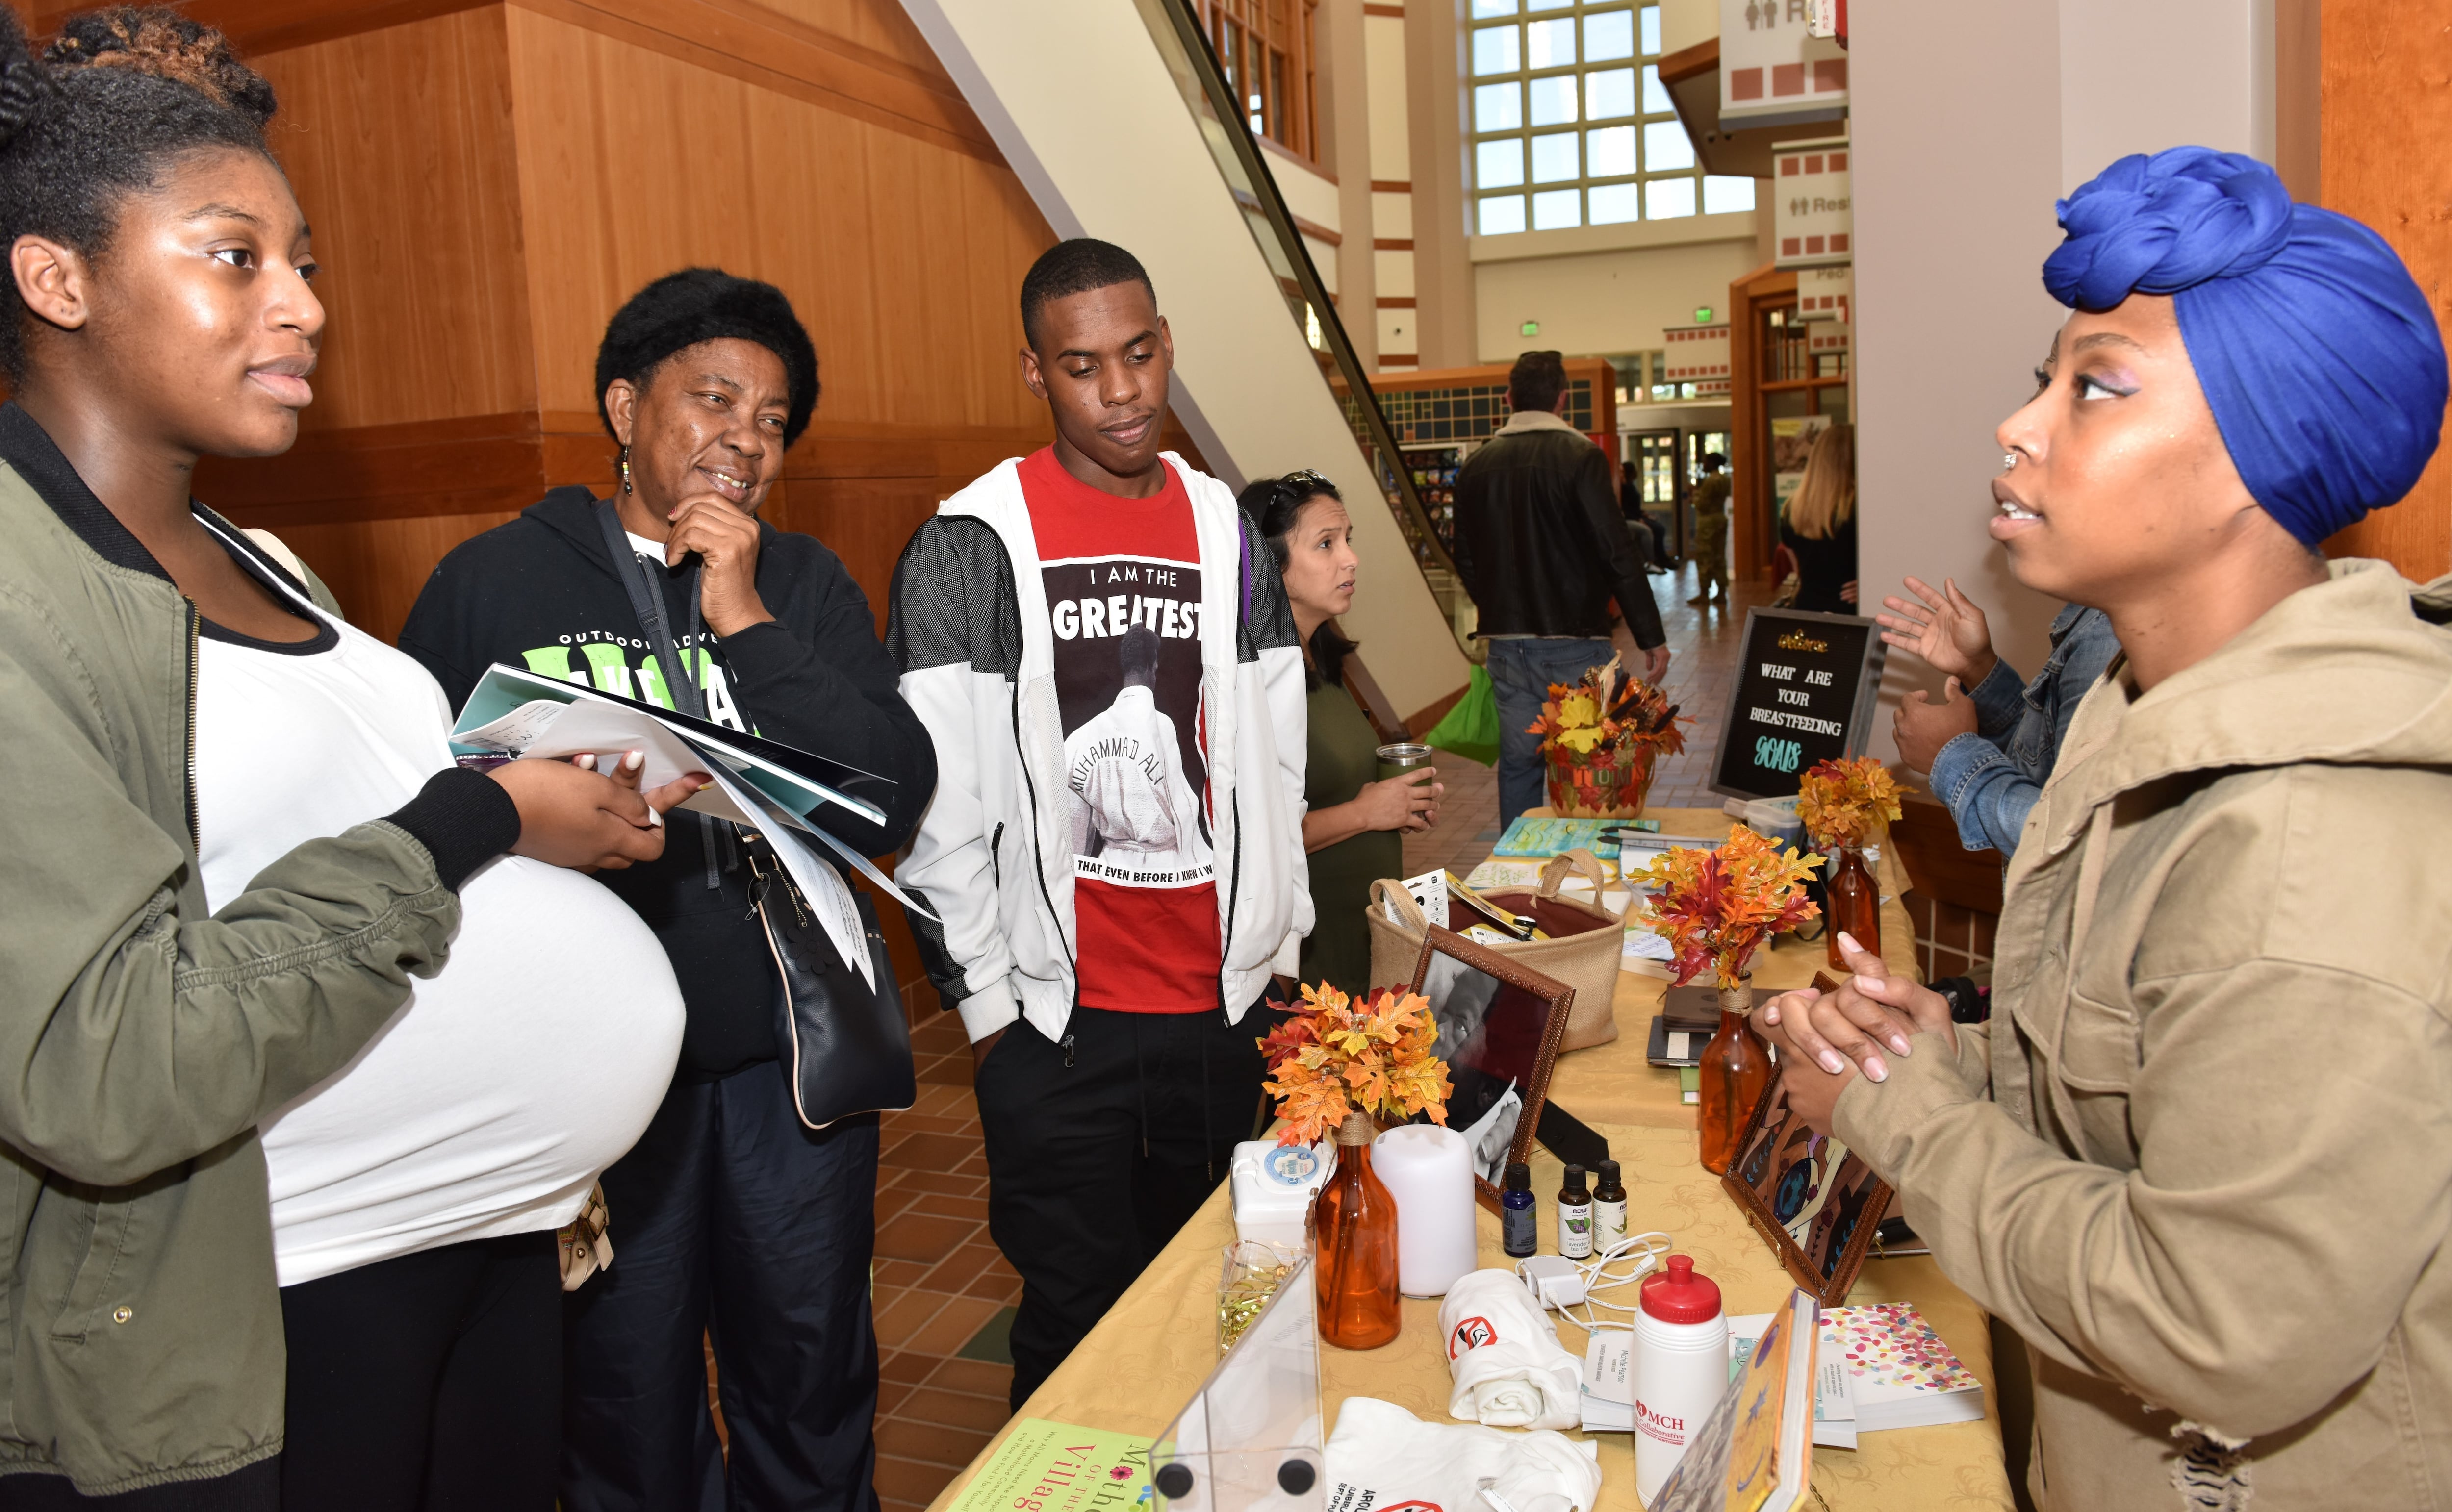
pixel 1587 961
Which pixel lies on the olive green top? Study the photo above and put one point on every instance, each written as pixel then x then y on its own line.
pixel 1344 755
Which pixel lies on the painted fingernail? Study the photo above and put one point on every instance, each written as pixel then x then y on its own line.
pixel 585 761
pixel 1831 1063
pixel 1867 984
pixel 632 762
pixel 655 820
pixel 1898 1042
pixel 1771 1013
pixel 1875 1070
pixel 1848 943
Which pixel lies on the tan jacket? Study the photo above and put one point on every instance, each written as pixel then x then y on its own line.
pixel 2202 1159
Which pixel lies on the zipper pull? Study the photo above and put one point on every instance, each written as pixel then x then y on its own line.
pixel 1067 1042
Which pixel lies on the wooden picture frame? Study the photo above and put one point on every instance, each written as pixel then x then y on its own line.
pixel 1525 1011
pixel 1786 1177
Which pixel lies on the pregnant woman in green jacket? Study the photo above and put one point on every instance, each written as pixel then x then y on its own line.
pixel 1355 825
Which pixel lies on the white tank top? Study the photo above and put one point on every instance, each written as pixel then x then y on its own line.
pixel 492 1101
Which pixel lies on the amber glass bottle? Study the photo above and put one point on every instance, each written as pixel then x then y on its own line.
pixel 1354 1233
pixel 1855 905
pixel 1735 1069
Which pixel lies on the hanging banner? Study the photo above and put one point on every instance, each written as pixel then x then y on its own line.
pixel 1811 222
pixel 1696 355
pixel 1773 70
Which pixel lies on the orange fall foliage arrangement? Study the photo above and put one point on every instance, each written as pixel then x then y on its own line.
pixel 1715 907
pixel 1843 803
pixel 1337 1055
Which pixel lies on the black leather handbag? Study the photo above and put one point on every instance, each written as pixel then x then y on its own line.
pixel 846 1045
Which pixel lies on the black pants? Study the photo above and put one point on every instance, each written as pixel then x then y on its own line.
pixel 1100 1144
pixel 729 1218
pixel 431 1382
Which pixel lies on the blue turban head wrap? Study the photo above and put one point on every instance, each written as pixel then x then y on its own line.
pixel 2317 352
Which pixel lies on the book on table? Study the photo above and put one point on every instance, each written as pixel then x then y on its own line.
pixel 1754 1453
pixel 1882 1366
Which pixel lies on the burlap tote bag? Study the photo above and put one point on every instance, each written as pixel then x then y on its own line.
pixel 1583 950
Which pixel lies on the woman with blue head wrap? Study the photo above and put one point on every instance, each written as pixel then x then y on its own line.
pixel 2201 1156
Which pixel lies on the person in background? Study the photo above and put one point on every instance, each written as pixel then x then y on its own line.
pixel 1355 825
pixel 731 1222
pixel 2201 1156
pixel 249 848
pixel 1989 752
pixel 1711 550
pixel 1542 549
pixel 1115 1009
pixel 1648 537
pixel 1819 526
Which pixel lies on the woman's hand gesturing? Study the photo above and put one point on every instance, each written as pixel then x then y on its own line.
pixel 1944 628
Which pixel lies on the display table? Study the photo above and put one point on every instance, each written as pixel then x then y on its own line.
pixel 1145 1359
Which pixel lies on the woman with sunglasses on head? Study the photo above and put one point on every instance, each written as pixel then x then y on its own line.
pixel 2201 1156
pixel 1355 824
pixel 185 958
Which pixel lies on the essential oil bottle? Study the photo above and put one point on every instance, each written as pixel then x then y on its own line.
pixel 1609 1208
pixel 1574 1216
pixel 1518 1232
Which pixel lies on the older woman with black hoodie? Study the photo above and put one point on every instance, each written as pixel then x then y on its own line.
pixel 704 379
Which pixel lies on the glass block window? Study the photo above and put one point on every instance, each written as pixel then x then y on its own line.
pixel 1268 51
pixel 1570 123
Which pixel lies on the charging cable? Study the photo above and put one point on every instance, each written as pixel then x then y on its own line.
pixel 1566 1285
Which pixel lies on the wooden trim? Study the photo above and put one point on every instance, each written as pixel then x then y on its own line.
pixel 774 52
pixel 1318 231
pixel 1398 301
pixel 1427 717
pixel 1392 13
pixel 1269 143
pixel 1391 244
pixel 1388 360
pixel 1749 501
pixel 1392 186
pixel 1687 62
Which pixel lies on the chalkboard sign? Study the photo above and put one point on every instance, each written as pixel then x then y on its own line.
pixel 1803 692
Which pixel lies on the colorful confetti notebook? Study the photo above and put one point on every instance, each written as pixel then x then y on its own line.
pixel 1903 1375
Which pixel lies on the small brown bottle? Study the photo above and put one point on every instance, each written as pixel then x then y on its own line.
pixel 1608 1208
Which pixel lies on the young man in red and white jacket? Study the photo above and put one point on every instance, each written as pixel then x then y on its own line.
pixel 1101 649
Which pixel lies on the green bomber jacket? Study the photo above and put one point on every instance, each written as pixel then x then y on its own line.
pixel 141 1037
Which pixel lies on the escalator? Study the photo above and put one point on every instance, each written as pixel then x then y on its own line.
pixel 1119 123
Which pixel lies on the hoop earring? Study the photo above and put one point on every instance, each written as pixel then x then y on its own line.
pixel 626 486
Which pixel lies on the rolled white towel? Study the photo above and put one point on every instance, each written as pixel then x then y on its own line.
pixel 1382 1456
pixel 1503 1352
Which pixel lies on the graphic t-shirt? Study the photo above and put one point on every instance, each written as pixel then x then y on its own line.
pixel 1123 601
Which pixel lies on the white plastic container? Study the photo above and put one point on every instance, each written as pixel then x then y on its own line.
pixel 1273 1185
pixel 1681 1368
pixel 1772 818
pixel 1429 1172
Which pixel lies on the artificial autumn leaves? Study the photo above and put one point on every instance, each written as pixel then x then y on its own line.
pixel 1715 907
pixel 1335 1056
pixel 1841 803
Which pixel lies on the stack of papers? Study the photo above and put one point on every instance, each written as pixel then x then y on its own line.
pixel 769 786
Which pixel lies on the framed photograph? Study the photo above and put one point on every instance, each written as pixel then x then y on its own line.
pixel 1499 1027
pixel 1810 1196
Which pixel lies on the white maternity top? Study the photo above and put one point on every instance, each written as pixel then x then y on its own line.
pixel 492 1101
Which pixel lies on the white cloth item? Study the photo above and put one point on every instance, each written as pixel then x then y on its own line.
pixel 491 1103
pixel 1382 1456
pixel 1504 1353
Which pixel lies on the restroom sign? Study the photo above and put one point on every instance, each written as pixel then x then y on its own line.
pixel 1811 222
pixel 1774 69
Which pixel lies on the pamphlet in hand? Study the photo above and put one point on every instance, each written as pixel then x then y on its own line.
pixel 524 712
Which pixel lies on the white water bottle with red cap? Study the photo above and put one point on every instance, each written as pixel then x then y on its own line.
pixel 1681 1368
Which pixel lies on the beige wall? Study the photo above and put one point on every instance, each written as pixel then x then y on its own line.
pixel 1968 120
pixel 1603 301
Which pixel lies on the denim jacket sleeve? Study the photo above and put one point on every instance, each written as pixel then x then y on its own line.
pixel 2000 701
pixel 1986 794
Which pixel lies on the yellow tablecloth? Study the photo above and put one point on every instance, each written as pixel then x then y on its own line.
pixel 1153 1350
pixel 1613 1084
pixel 1145 1359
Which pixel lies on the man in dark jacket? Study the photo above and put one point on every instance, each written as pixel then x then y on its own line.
pixel 729 1219
pixel 1543 551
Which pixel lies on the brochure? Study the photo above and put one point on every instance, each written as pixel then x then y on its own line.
pixel 1054 1466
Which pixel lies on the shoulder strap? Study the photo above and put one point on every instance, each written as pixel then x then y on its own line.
pixel 648 605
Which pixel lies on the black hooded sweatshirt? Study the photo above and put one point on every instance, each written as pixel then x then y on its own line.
pixel 541 593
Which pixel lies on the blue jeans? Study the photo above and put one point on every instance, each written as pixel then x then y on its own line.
pixel 1520 674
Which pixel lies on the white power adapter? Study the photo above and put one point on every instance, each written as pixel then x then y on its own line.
pixel 1553 1280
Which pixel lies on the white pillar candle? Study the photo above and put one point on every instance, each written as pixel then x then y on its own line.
pixel 1429 1172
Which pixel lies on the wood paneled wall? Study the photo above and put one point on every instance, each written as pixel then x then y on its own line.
pixel 2387 108
pixel 487 182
